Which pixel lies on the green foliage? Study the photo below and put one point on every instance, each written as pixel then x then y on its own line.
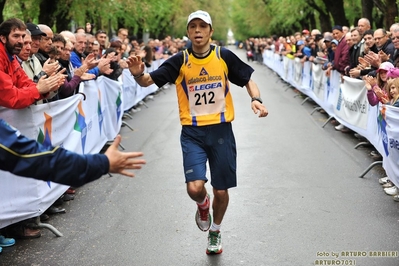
pixel 150 15
pixel 23 9
pixel 245 18
pixel 216 8
pixel 249 18
pixel 353 11
pixel 287 14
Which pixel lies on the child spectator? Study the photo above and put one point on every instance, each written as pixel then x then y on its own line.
pixel 330 65
pixel 393 86
pixel 393 99
pixel 377 87
pixel 377 91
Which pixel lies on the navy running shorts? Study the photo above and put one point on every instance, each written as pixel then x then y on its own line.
pixel 215 144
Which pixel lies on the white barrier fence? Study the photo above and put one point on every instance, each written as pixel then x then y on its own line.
pixel 346 100
pixel 134 93
pixel 82 123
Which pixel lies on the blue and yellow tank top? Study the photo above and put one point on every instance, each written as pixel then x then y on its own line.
pixel 203 90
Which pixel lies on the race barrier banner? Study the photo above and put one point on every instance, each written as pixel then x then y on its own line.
pixel 23 198
pixel 306 83
pixel 129 95
pixel 352 104
pixel 388 128
pixel 111 106
pixel 82 123
pixel 345 99
pixel 298 72
pixel 319 82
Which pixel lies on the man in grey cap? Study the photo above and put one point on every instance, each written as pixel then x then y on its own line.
pixel 32 66
pixel 330 53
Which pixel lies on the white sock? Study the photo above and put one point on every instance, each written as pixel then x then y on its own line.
pixel 215 227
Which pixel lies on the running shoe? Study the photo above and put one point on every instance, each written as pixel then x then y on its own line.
pixel 214 243
pixel 383 180
pixel 392 191
pixel 203 217
pixel 6 242
pixel 388 184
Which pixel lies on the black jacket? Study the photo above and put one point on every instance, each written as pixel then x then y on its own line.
pixel 42 56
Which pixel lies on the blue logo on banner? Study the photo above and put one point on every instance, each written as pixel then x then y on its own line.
pixel 382 125
pixel 339 103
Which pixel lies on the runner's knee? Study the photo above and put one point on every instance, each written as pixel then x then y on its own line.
pixel 195 188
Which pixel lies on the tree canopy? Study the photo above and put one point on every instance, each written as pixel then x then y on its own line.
pixel 168 17
pixel 283 17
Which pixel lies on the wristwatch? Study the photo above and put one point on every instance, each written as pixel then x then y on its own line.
pixel 256 99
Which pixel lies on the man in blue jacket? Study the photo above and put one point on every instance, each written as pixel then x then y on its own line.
pixel 77 55
pixel 25 157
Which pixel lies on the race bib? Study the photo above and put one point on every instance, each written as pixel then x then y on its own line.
pixel 206 98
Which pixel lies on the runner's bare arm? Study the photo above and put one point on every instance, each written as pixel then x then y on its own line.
pixel 256 105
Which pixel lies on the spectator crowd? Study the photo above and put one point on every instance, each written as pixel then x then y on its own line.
pixel 40 66
pixel 359 52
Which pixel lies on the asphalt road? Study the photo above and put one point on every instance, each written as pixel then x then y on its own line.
pixel 299 198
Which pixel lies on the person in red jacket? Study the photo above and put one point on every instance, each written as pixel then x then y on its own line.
pixel 17 89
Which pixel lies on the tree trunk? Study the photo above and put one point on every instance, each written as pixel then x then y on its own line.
pixel 391 13
pixel 324 17
pixel 325 24
pixel 121 23
pixel 367 10
pixel 62 23
pixel 305 23
pixel 336 8
pixel 99 25
pixel 47 11
pixel 2 4
pixel 312 21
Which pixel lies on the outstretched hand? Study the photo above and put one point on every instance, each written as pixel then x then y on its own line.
pixel 135 64
pixel 119 161
pixel 257 107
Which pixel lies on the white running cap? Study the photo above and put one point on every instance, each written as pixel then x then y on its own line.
pixel 201 15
